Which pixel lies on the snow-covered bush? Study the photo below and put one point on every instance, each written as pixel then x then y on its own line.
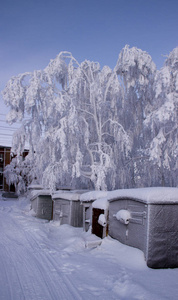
pixel 19 172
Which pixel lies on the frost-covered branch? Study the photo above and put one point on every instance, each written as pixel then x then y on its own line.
pixel 91 125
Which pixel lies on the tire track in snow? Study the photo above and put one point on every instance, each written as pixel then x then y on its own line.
pixel 50 261
pixel 13 286
pixel 4 277
pixel 33 270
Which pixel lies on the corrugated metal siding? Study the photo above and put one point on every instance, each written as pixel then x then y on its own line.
pixel 133 234
pixel 42 205
pixel 68 212
pixel 153 228
pixel 163 236
pixel 61 209
pixel 76 214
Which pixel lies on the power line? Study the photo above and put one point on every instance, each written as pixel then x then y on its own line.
pixel 3 121
pixel 7 128
pixel 16 122
pixel 7 125
pixel 6 134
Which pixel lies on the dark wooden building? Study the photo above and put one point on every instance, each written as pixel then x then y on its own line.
pixel 5 159
pixel 100 217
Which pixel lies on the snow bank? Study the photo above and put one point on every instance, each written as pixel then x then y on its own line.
pixel 46 260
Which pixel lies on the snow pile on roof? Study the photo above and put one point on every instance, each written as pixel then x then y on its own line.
pixel 36 193
pixel 93 195
pixel 68 195
pixel 101 203
pixel 35 187
pixel 148 195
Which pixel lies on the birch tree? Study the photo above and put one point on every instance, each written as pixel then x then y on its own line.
pixel 97 128
pixel 163 122
pixel 136 72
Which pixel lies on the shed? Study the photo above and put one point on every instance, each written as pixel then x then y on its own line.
pixel 87 199
pixel 41 203
pixel 147 219
pixel 67 207
pixel 100 217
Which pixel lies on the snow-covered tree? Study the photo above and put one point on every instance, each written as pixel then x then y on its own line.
pixel 49 129
pixel 20 173
pixel 94 127
pixel 95 93
pixel 163 121
pixel 136 72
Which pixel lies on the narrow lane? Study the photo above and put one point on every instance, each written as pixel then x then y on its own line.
pixel 28 269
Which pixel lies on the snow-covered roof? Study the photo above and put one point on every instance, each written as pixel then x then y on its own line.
pixel 73 195
pixel 35 187
pixel 153 195
pixel 93 195
pixel 36 193
pixel 147 195
pixel 101 203
pixel 5 145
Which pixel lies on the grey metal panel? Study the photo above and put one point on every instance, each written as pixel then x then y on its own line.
pixel 162 249
pixel 117 230
pixel 61 211
pixel 133 233
pixel 152 228
pixel 68 212
pixel 76 214
pixel 44 207
pixel 137 227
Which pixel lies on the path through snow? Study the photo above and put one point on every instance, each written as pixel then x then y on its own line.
pixel 41 260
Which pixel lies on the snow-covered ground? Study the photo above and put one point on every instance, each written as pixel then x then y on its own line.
pixel 42 260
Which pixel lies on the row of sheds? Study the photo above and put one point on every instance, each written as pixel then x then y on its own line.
pixel 145 218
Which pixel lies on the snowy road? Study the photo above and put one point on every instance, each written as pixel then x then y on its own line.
pixel 42 260
pixel 28 265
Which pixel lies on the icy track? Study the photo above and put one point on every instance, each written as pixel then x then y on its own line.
pixel 42 260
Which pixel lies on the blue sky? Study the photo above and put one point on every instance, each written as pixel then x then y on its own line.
pixel 33 32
